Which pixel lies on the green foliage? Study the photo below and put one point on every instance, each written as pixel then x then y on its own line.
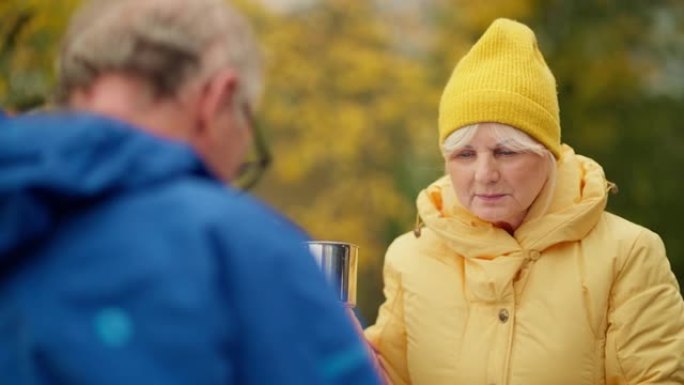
pixel 620 102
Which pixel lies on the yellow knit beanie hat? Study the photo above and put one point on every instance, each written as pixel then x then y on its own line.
pixel 503 79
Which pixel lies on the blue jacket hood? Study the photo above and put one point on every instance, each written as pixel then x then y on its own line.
pixel 53 164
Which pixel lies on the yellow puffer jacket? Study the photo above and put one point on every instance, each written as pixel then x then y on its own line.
pixel 577 296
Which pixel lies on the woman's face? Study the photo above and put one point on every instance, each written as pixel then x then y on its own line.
pixel 492 181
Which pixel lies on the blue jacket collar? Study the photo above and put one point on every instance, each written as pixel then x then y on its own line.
pixel 51 164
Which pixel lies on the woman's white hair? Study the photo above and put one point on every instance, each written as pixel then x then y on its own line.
pixel 515 140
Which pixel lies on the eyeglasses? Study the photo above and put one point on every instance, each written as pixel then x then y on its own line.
pixel 258 158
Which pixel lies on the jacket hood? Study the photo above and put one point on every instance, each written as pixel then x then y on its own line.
pixel 578 200
pixel 50 165
pixel 493 257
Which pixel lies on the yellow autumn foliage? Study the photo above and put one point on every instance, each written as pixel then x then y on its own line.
pixel 342 108
pixel 30 32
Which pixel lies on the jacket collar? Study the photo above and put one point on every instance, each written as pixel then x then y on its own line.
pixel 54 164
pixel 579 199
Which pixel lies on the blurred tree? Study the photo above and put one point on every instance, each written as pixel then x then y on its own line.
pixel 342 107
pixel 620 101
pixel 29 35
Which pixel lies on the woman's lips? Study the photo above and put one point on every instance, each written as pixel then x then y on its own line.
pixel 490 197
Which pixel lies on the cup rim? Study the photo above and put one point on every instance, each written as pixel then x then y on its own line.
pixel 340 243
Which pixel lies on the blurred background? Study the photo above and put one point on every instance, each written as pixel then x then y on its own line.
pixel 350 108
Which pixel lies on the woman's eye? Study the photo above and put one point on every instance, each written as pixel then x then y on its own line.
pixel 462 154
pixel 505 152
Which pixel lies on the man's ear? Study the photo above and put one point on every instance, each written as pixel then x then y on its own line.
pixel 216 98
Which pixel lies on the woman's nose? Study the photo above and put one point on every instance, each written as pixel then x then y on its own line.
pixel 487 170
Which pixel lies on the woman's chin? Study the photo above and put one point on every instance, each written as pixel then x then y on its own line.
pixel 497 220
pixel 491 216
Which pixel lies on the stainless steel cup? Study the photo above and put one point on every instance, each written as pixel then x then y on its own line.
pixel 338 261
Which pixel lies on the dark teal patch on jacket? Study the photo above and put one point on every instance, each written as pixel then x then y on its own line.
pixel 345 361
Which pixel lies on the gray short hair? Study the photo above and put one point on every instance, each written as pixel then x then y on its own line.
pixel 164 42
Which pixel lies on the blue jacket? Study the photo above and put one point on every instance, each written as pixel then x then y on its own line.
pixel 122 261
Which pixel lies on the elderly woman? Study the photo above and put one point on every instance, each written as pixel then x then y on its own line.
pixel 517 274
